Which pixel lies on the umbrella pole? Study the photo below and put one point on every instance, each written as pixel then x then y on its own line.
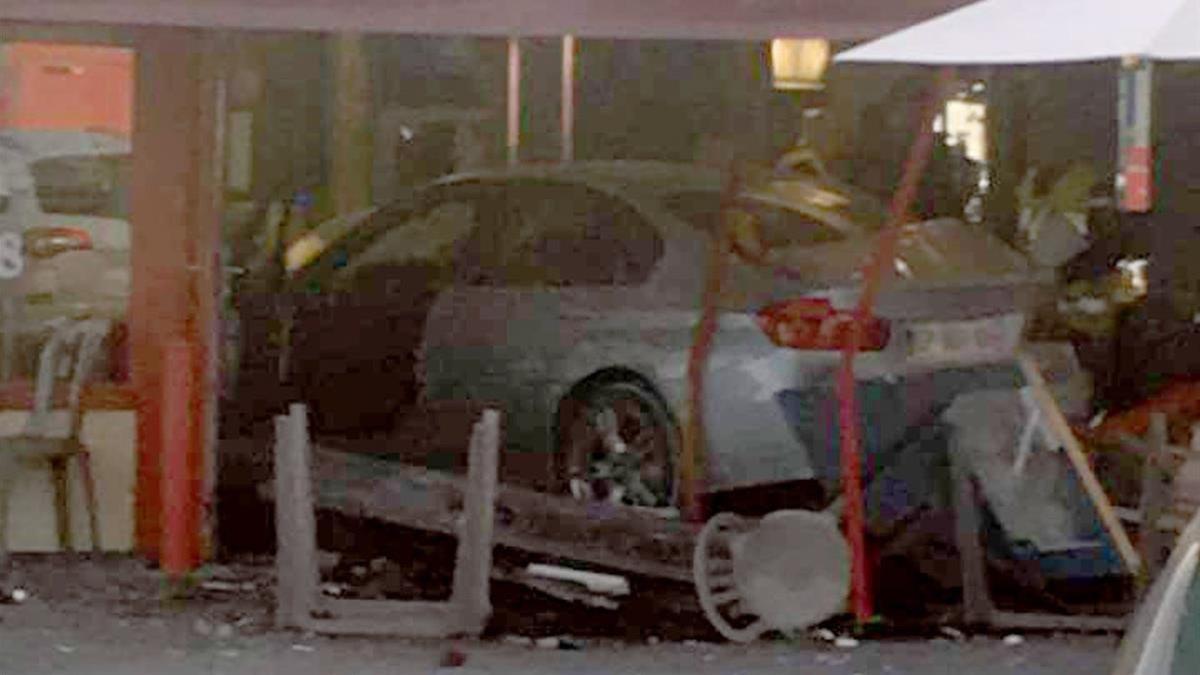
pixel 848 418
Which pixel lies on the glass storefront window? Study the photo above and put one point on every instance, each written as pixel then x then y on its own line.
pixel 65 155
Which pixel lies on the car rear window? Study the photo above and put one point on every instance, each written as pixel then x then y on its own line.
pixel 83 185
pixel 779 226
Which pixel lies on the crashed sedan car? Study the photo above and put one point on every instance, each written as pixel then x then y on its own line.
pixel 568 296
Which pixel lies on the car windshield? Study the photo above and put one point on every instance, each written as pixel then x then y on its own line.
pixel 83 185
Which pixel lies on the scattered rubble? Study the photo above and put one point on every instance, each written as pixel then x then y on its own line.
pixel 605 584
pixel 15 596
pixel 845 642
pixel 333 590
pixel 953 633
pixel 824 635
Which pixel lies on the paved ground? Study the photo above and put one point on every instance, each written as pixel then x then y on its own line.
pixel 110 618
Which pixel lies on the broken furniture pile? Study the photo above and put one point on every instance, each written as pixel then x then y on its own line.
pixel 1169 494
pixel 761 560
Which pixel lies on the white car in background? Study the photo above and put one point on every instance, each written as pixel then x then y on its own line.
pixel 65 194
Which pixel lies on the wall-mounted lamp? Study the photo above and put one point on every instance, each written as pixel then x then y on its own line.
pixel 799 64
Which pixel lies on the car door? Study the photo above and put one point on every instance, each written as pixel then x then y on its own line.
pixel 355 339
pixel 531 293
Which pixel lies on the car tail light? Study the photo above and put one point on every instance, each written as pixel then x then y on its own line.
pixel 47 242
pixel 814 324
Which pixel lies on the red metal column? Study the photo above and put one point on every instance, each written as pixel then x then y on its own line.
pixel 180 543
pixel 848 419
pixel 174 234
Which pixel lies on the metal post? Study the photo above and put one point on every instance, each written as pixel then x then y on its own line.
pixel 514 99
pixel 568 98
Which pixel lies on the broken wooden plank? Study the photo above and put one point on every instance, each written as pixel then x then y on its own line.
pixel 1058 424
pixel 611 536
pixel 1155 499
pixel 603 584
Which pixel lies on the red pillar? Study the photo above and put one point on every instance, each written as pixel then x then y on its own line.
pixel 181 466
pixel 175 233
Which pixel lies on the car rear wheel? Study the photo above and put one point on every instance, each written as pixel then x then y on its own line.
pixel 618 444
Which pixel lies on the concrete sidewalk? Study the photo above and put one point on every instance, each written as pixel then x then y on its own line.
pixel 38 639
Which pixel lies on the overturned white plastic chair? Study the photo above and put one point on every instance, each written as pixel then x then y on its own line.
pixel 52 436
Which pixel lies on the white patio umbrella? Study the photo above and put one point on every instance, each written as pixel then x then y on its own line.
pixel 1020 32
pixel 1043 31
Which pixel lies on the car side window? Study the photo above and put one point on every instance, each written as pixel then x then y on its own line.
pixel 777 225
pixel 425 237
pixel 562 235
pixel 426 234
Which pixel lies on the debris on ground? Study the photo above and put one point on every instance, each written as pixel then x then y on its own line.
pixel 333 590
pixel 594 582
pixel 13 597
pixel 845 642
pixel 953 633
pixel 562 591
pixel 1013 640
pixel 453 658
pixel 824 635
pixel 220 586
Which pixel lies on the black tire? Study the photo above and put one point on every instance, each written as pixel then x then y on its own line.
pixel 638 466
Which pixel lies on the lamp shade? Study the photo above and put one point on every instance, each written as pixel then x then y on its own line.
pixel 799 64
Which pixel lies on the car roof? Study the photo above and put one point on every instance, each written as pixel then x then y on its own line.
pixel 658 180
pixel 636 176
pixel 38 144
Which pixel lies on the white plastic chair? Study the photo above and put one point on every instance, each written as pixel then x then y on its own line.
pixel 52 437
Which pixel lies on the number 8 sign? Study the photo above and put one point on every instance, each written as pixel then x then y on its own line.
pixel 12 258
